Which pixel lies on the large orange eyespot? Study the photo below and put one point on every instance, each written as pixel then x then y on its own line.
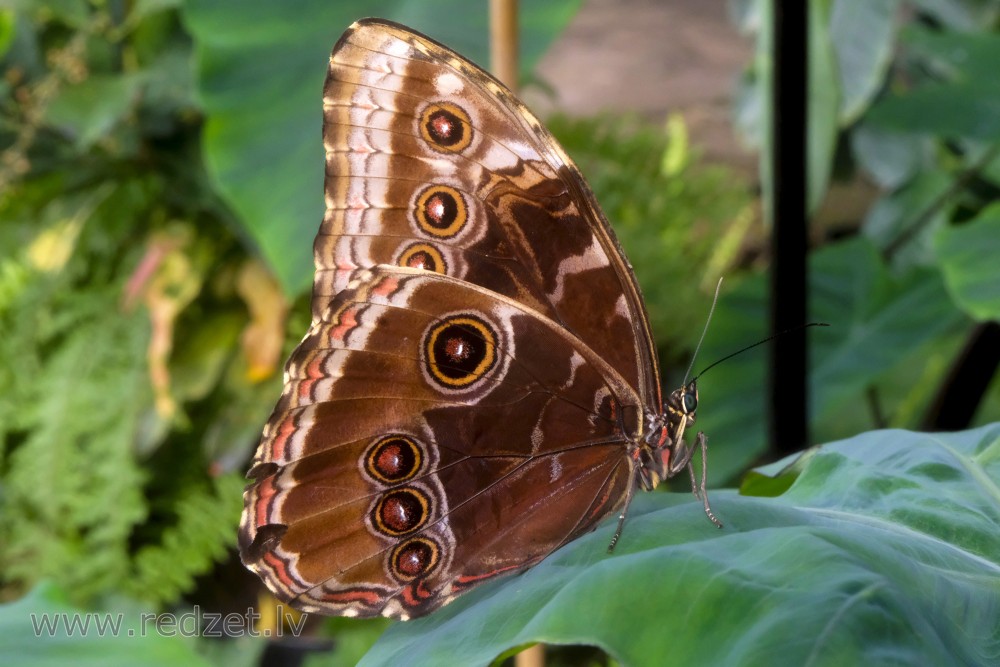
pixel 459 351
pixel 414 558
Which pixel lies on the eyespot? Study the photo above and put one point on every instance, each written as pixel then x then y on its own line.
pixel 441 211
pixel 393 459
pixel 446 127
pixel 459 351
pixel 401 511
pixel 414 558
pixel 423 256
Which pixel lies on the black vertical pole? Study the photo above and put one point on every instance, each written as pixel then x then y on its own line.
pixel 788 406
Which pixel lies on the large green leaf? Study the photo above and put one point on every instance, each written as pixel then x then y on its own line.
pixel 907 218
pixel 863 36
pixel 965 104
pixel 964 15
pixel 88 110
pixel 957 109
pixel 754 107
pixel 891 158
pixel 877 319
pixel 824 103
pixel 968 255
pixel 261 68
pixel 885 549
pixel 966 55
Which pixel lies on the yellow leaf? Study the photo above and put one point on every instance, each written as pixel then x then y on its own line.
pixel 264 335
pixel 52 248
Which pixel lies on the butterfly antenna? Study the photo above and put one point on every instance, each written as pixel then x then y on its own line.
pixel 760 342
pixel 711 312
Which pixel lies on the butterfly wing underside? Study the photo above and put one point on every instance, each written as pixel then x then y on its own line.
pixel 478 356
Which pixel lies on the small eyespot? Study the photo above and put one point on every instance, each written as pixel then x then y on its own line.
pixel 441 211
pixel 446 127
pixel 423 256
pixel 414 558
pixel 393 459
pixel 401 511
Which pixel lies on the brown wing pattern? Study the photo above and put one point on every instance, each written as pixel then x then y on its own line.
pixel 479 363
pixel 433 163
pixel 375 496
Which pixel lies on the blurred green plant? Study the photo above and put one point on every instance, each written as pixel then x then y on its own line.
pixel 121 311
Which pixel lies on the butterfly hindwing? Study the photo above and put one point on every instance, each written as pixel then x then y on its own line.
pixel 366 488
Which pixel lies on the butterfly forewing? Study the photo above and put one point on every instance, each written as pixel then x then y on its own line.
pixel 431 162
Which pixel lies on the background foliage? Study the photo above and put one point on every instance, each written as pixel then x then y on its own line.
pixel 160 184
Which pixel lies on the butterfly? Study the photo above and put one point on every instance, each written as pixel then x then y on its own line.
pixel 479 384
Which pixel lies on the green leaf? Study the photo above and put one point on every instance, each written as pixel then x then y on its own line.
pixel 352 638
pixel 968 56
pixel 8 29
pixel 144 8
pixel 90 110
pixel 877 320
pixel 23 634
pixel 968 258
pixel 863 36
pixel 963 15
pixel 966 109
pixel 189 547
pixel 823 105
pixel 261 67
pixel 754 103
pixel 891 158
pixel 72 488
pixel 960 97
pixel 907 218
pixel 885 549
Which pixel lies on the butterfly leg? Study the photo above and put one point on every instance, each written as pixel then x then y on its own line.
pixel 628 501
pixel 699 489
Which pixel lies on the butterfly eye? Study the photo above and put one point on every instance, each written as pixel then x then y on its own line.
pixel 690 403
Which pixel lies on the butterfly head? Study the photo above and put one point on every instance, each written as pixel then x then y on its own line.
pixel 666 453
pixel 680 408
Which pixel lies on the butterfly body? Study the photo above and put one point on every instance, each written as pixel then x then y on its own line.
pixel 479 384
